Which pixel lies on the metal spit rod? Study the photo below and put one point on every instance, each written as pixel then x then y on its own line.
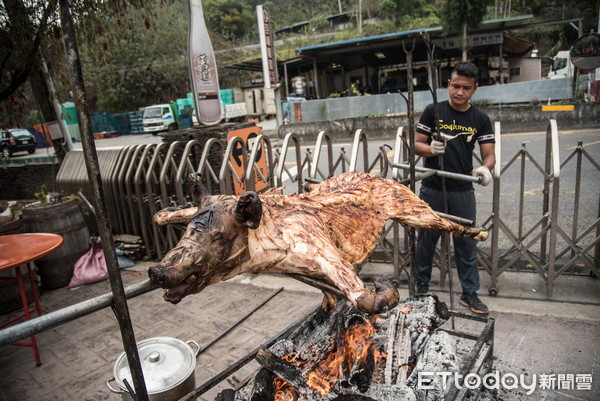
pixel 447 174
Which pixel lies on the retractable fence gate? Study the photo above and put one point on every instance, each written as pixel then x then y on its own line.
pixel 542 209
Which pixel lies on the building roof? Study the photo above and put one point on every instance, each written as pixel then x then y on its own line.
pixel 388 50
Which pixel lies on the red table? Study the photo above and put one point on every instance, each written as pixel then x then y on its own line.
pixel 19 249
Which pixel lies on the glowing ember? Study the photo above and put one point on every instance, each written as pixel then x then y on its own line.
pixel 284 391
pixel 406 309
pixel 291 357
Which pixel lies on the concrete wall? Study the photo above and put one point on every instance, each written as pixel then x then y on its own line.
pixel 22 181
pixel 512 119
pixel 378 105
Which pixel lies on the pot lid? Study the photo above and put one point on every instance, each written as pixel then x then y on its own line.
pixel 166 362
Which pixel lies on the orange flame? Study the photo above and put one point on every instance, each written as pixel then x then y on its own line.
pixel 291 357
pixel 354 349
pixel 284 391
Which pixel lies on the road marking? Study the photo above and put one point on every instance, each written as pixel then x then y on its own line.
pixel 583 145
pixel 560 132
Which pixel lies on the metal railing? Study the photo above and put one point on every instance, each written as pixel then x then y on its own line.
pixel 133 178
pixel 141 180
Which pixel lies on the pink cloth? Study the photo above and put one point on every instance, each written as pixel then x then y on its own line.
pixel 91 266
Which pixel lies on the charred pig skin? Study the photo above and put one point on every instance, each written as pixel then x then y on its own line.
pixel 320 234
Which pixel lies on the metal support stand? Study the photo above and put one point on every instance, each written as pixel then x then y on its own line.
pixel 437 136
pixel 93 169
pixel 412 241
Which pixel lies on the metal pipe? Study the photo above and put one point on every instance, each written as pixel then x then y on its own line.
pixel 456 219
pixel 440 173
pixel 497 172
pixel 412 234
pixel 417 177
pixel 54 319
pixel 555 168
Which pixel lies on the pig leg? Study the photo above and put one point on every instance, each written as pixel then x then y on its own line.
pixel 173 215
pixel 317 257
pixel 402 205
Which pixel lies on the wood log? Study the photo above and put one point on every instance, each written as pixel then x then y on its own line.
pixel 282 368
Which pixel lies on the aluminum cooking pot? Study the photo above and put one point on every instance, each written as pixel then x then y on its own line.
pixel 168 365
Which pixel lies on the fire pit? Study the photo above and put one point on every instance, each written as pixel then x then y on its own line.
pixel 351 356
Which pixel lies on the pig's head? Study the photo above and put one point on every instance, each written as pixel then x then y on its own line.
pixel 214 243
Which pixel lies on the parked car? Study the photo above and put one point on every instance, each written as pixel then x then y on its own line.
pixel 16 140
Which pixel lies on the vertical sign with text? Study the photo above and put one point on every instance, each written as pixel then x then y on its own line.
pixel 267 49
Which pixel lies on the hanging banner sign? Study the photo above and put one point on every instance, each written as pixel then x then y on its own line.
pixel 479 39
pixel 267 49
pixel 204 76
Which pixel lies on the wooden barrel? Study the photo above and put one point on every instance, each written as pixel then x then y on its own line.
pixel 10 296
pixel 67 220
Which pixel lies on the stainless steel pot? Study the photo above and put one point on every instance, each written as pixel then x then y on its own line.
pixel 168 365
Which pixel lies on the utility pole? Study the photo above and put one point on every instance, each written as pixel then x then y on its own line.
pixel 360 16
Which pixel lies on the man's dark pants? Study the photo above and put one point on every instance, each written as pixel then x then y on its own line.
pixel 461 204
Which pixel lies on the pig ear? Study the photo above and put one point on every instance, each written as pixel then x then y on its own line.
pixel 200 190
pixel 248 211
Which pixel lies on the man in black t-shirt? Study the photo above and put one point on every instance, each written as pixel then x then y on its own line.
pixel 460 125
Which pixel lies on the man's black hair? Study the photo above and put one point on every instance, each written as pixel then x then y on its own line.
pixel 466 69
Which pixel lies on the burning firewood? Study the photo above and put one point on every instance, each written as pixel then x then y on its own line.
pixel 352 356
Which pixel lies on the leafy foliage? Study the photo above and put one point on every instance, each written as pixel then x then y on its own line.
pixel 230 18
pixel 138 64
pixel 134 52
pixel 459 12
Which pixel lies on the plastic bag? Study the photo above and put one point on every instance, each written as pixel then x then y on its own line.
pixel 91 266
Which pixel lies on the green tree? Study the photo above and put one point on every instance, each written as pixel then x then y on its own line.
pixel 410 14
pixel 31 34
pixel 462 14
pixel 131 66
pixel 233 19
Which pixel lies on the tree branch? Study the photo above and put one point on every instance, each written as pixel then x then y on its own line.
pixel 22 73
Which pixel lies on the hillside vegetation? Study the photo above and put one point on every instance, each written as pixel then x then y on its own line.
pixel 141 58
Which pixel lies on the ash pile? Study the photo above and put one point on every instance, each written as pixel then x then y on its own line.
pixel 351 356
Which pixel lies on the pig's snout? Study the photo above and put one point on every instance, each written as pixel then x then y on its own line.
pixel 158 274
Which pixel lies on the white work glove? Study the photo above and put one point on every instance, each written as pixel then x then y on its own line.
pixel 484 173
pixel 438 147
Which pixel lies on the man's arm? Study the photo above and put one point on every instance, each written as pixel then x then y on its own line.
pixel 488 155
pixel 488 160
pixel 422 138
pixel 422 148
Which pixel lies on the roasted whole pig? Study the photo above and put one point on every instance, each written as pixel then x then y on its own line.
pixel 319 234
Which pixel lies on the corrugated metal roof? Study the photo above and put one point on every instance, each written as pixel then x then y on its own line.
pixel 363 39
pixel 488 25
